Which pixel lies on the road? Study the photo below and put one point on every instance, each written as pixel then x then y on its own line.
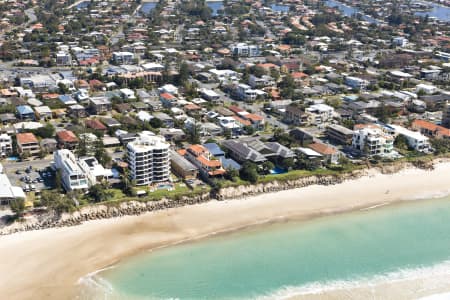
pixel 76 3
pixel 31 15
pixel 11 166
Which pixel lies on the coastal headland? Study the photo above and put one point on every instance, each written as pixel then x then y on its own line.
pixel 53 260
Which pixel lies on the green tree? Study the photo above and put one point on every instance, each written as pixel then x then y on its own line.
pixel 401 142
pixel 100 153
pixel 99 193
pixel 267 166
pixel 17 206
pixel 156 123
pixel 249 129
pixel 63 88
pixel 55 201
pixel 288 163
pixel 45 132
pixel 249 172
pixel 183 74
pixel 231 174
pixel 382 113
pixel 440 146
pixel 287 86
pixel 58 180
pixel 127 184
pixel 82 148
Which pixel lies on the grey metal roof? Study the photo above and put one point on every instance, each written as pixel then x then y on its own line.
pixel 244 151
pixel 280 150
pixel 182 162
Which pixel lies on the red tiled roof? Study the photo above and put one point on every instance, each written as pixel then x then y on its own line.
pixel 253 117
pixel 95 124
pixel 209 163
pixel 235 109
pixel 298 75
pixel 242 121
pixel 192 106
pixel 430 126
pixel 50 96
pixel 267 65
pixel 25 138
pixel 322 148
pixel 167 96
pixel 95 82
pixel 67 136
pixel 197 149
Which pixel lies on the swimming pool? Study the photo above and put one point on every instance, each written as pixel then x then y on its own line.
pixel 277 170
pixel 165 186
pixel 12 158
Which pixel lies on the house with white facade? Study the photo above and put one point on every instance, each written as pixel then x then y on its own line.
pixel 123 57
pixel 372 140
pixel 6 147
pixel 73 176
pixel 415 139
pixel 244 49
pixel 356 82
pixel 93 170
pixel 320 113
pixel 246 93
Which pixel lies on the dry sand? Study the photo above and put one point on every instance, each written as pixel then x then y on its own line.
pixel 47 264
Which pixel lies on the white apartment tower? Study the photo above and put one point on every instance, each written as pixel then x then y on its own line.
pixel 148 159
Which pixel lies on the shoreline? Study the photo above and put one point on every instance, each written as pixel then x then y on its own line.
pixel 69 253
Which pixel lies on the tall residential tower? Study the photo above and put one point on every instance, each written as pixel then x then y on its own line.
pixel 148 159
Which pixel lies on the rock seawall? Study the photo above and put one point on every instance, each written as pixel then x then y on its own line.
pixel 133 207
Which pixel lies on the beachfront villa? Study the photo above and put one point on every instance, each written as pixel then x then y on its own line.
pixel 371 140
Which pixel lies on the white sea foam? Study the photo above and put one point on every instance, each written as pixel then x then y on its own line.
pixel 93 285
pixel 430 195
pixel 374 206
pixel 414 274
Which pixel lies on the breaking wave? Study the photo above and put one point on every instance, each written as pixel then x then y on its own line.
pixel 425 280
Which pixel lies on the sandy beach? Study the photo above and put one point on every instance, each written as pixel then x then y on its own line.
pixel 47 264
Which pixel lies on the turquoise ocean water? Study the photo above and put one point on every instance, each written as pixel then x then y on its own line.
pixel 267 261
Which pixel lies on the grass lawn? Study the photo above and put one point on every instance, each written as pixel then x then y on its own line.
pixel 180 190
pixel 295 174
pixel 229 183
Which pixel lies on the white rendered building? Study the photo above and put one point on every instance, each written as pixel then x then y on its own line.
pixel 415 139
pixel 373 141
pixel 148 159
pixel 72 176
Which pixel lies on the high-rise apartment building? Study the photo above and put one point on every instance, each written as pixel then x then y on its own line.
pixel 148 159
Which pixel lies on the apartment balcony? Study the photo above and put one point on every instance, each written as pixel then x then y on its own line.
pixel 142 159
